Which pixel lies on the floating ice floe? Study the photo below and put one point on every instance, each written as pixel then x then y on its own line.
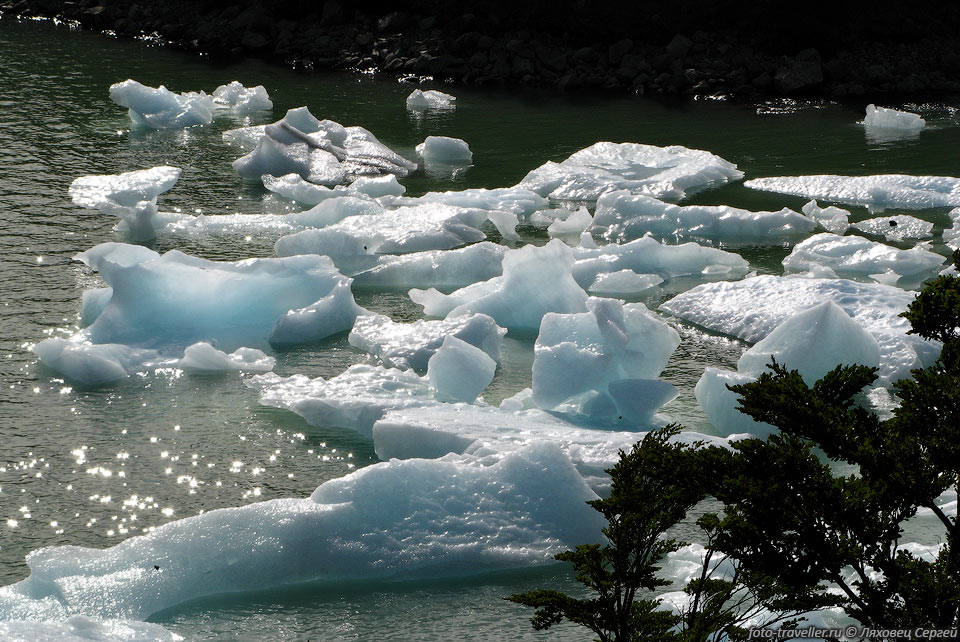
pixel 203 358
pixel 623 283
pixel 436 268
pixel 93 364
pixel 80 628
pixel 752 308
pixel 130 196
pixel 854 257
pixel 521 202
pixel 720 404
pixel 572 225
pixel 409 519
pixel 458 371
pixel 419 100
pixel 241 100
pixel 411 345
pixel 661 172
pixel 295 188
pixel 535 280
pixel 622 216
pixel 832 219
pixel 443 149
pixel 160 108
pixel 604 362
pixel 354 242
pixel 876 193
pixel 951 236
pixel 322 152
pixel 883 118
pixel 896 228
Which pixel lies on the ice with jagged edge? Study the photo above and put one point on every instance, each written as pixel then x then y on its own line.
pixel 896 228
pixel 570 226
pixel 410 345
pixel 80 628
pixel 160 108
pixel 203 358
pixel 670 173
pixel 444 149
pixel 884 118
pixel 422 100
pixel 521 202
pixel 951 235
pixel 459 371
pixel 622 216
pixel 831 218
pixel 319 151
pixel 752 308
pixel 130 196
pixel 854 257
pixel 241 100
pixel 395 520
pixel 876 192
pixel 435 268
pixel 355 242
pixel 535 280
pixel 604 362
pixel 295 188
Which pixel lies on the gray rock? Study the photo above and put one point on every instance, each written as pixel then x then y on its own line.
pixel 802 72
pixel 679 46
pixel 618 50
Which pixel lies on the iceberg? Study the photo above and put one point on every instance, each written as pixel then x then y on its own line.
pixel 396 520
pixel 832 219
pixel 885 118
pixel 951 235
pixel 443 149
pixel 670 173
pixel 459 371
pixel 241 100
pixel 752 308
pixel 876 193
pixel 573 225
pixel 420 100
pixel 602 362
pixel 622 216
pixel 535 280
pixel 854 257
pixel 160 108
pixel 435 268
pixel 623 283
pixel 521 202
pixel 203 358
pixel 80 628
pixel 92 364
pixel 411 345
pixel 721 404
pixel 896 228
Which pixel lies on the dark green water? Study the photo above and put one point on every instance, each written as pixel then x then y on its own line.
pixel 90 467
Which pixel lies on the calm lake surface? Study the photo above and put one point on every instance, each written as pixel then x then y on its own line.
pixel 91 467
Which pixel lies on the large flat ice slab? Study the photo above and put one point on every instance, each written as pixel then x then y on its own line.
pixel 436 268
pixel 877 192
pixel 750 310
pixel 397 520
pixel 622 216
pixel 662 172
pixel 80 628
pixel 522 202
pixel 896 228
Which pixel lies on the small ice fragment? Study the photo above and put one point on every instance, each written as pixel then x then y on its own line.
pixel 443 149
pixel 203 358
pixel 884 118
pixel 459 371
pixel 430 99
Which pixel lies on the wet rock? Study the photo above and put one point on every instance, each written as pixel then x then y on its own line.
pixel 803 72
pixel 618 50
pixel 393 22
pixel 679 46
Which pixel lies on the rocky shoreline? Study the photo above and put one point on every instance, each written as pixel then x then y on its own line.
pixel 670 52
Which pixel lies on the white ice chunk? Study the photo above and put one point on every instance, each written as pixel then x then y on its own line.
pixel 274 158
pixel 430 99
pixel 436 268
pixel 411 345
pixel 241 100
pixel 572 225
pixel 459 371
pixel 92 364
pixel 622 216
pixel 377 186
pixel 858 258
pixel 521 202
pixel 661 172
pixel 874 192
pixel 750 309
pixel 951 236
pixel 126 189
pixel 176 299
pixel 814 342
pixel 623 282
pixel 395 520
pixel 720 405
pixel 832 219
pixel 648 256
pixel 443 149
pixel 535 280
pixel 203 358
pixel 885 118
pixel 80 628
pixel 579 356
pixel 93 303
pixel 160 108
pixel 897 228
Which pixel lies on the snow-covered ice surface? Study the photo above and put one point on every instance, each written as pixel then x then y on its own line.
pixel 896 228
pixel 829 255
pixel 410 345
pixel 80 628
pixel 522 202
pixel 622 216
pixel 876 192
pixel 420 100
pixel 661 172
pixel 399 520
pixel 752 308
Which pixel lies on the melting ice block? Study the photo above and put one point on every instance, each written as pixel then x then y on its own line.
pixel 459 371
pixel 92 364
pixel 623 282
pixel 80 628
pixel 622 216
pixel 661 172
pixel 951 236
pixel 580 358
pixel 720 404
pixel 241 100
pixel 814 342
pixel 535 280
pixel 572 225
pixel 874 192
pixel 832 219
pixel 160 108
pixel 203 358
pixel 436 268
pixel 443 149
pixel 419 100
pixel 830 255
pixel 885 118
pixel 521 202
pixel 896 228
pixel 400 519
pixel 411 345
pixel 750 310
